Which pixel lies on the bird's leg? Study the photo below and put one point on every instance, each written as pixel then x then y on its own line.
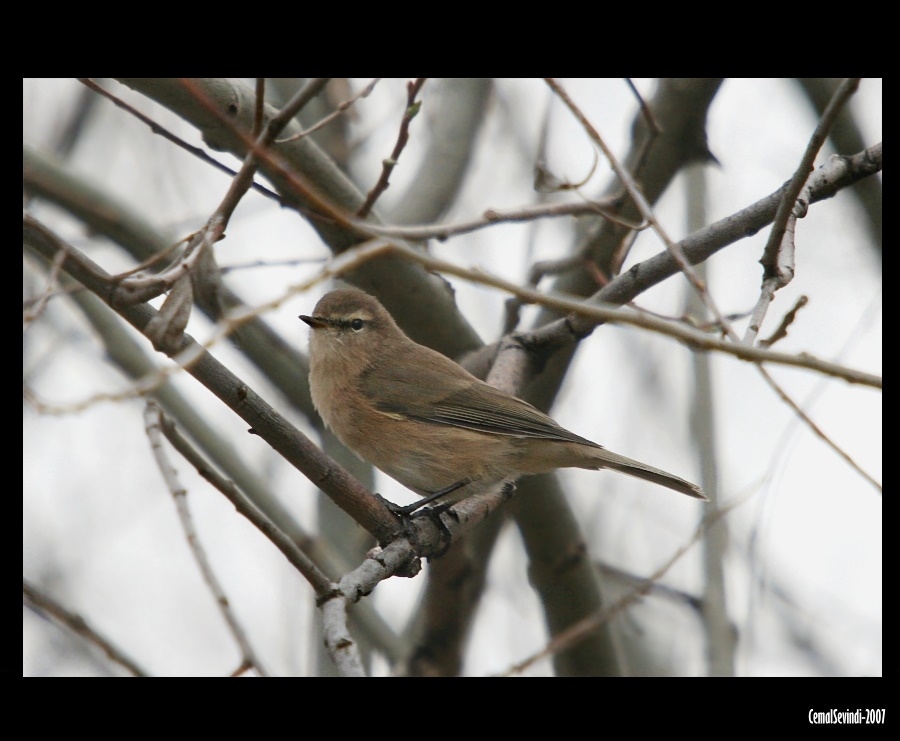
pixel 410 508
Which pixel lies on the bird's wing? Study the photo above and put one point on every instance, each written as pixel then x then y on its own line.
pixel 441 392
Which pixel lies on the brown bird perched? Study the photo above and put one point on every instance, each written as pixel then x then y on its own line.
pixel 427 422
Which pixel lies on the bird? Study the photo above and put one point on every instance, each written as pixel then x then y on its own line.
pixel 427 422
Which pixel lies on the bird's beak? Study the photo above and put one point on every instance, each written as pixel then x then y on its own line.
pixel 316 322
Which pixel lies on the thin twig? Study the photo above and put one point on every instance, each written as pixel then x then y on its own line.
pixel 646 110
pixel 606 208
pixel 244 177
pixel 153 426
pixel 297 557
pixel 781 332
pixel 49 607
pixel 546 182
pixel 778 255
pixel 40 303
pixel 341 108
pixel 640 202
pixel 197 259
pixel 656 589
pixel 324 209
pixel 388 165
pixel 818 431
pixel 581 629
pixel 653 128
pixel 177 141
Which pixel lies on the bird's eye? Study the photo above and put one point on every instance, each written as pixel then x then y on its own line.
pixel 357 324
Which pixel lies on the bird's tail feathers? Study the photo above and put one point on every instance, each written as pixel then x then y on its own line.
pixel 608 459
